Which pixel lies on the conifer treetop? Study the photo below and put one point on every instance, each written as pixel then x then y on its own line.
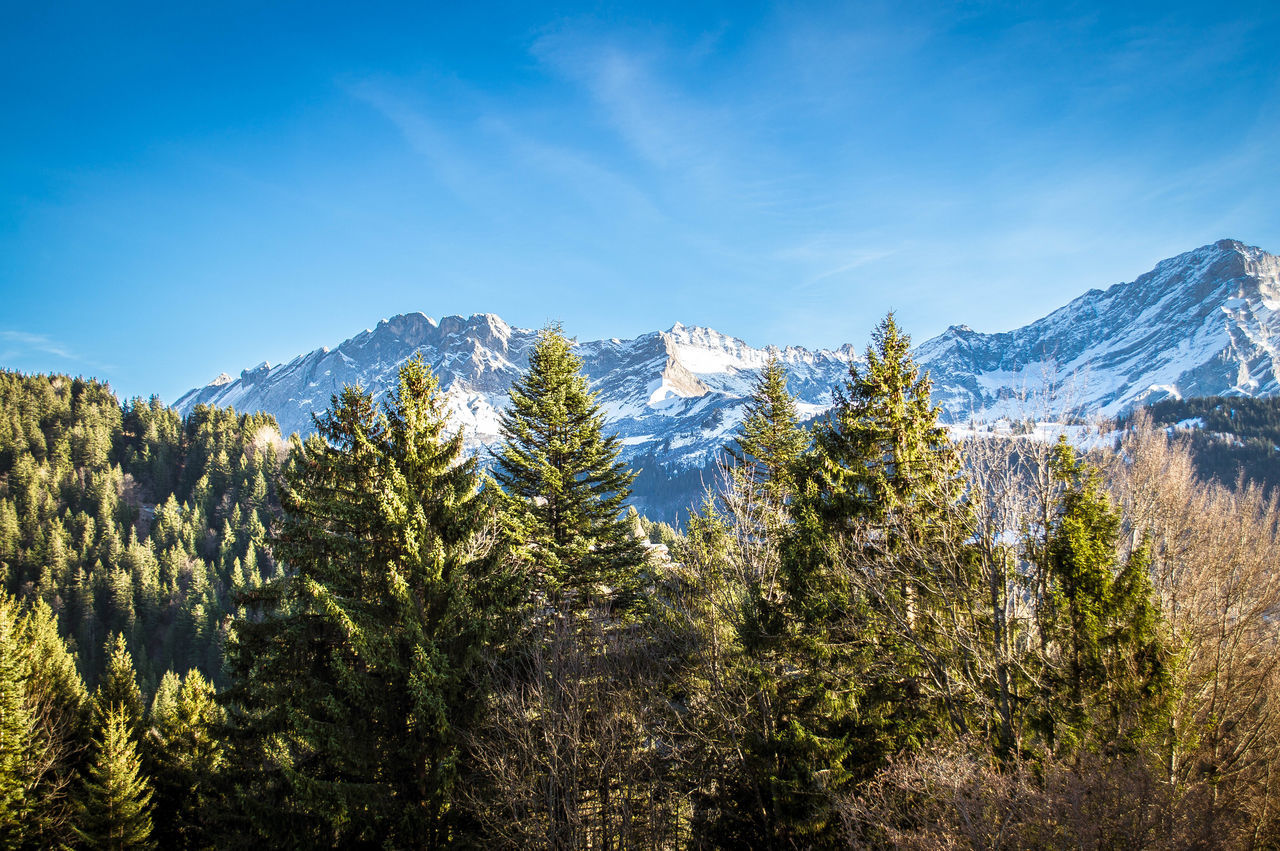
pixel 770 438
pixel 561 472
pixel 116 810
pixel 884 446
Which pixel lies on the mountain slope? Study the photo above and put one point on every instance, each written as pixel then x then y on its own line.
pixel 674 397
pixel 1201 323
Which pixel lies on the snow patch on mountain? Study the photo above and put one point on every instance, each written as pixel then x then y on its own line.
pixel 1202 323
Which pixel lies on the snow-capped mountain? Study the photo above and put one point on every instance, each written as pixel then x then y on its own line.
pixel 674 397
pixel 1201 323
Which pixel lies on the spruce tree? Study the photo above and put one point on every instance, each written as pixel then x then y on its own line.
pixel 57 696
pixel 882 453
pixel 18 735
pixel 115 809
pixel 119 689
pixel 1105 667
pixel 362 662
pixel 770 440
pixel 563 481
pixel 869 564
pixel 563 492
pixel 733 548
pixel 185 755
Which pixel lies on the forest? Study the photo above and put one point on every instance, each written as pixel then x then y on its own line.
pixel 867 636
pixel 1233 438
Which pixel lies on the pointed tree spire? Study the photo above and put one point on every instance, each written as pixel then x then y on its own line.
pixel 884 449
pixel 115 812
pixel 564 483
pixel 770 439
pixel 355 674
pixel 119 687
pixel 17 734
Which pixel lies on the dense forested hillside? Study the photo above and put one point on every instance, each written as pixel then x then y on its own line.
pixel 1231 437
pixel 870 636
pixel 131 520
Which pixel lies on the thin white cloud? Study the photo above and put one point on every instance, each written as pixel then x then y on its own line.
pixel 23 347
pixel 454 166
pixel 22 342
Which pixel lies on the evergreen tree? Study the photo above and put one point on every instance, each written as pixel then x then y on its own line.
pixel 363 665
pixel 1106 670
pixel 58 698
pixel 115 812
pixel 185 757
pixel 871 569
pixel 882 454
pixel 564 484
pixel 734 548
pixel 563 493
pixel 119 691
pixel 18 735
pixel 770 440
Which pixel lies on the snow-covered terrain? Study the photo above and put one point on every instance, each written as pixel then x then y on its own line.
pixel 1201 323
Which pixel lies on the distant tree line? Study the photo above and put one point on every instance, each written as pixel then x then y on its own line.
pixel 1238 441
pixel 868 635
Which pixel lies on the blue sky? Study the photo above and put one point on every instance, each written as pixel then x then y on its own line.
pixel 185 191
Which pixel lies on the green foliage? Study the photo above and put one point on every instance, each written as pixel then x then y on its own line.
pixel 1239 438
pixel 773 703
pixel 115 812
pixel 1106 675
pixel 19 740
pixel 48 731
pixel 128 520
pixel 564 485
pixel 881 454
pixel 119 692
pixel 836 612
pixel 356 672
pixel 770 439
pixel 185 756
pixel 870 567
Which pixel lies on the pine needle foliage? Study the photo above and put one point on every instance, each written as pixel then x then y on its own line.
pixel 876 511
pixel 770 440
pixel 17 734
pixel 115 811
pixel 1107 668
pixel 358 674
pixel 882 452
pixel 563 481
pixel 119 689
pixel 185 756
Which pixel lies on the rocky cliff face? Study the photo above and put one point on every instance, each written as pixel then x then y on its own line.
pixel 1201 323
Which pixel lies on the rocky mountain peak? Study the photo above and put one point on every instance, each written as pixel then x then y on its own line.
pixel 1201 323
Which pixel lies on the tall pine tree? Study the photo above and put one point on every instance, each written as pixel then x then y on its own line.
pixel 1105 667
pixel 115 811
pixel 869 567
pixel 119 689
pixel 355 683
pixel 18 735
pixel 770 440
pixel 564 484
pixel 763 786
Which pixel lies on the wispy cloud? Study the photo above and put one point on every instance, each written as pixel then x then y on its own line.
pixel 28 350
pixel 700 147
pixel 19 343
pixel 444 150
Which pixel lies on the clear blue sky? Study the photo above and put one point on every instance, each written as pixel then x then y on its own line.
pixel 192 188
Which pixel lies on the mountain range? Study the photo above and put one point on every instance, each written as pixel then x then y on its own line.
pixel 1202 323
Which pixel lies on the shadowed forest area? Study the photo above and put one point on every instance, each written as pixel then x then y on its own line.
pixel 867 636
